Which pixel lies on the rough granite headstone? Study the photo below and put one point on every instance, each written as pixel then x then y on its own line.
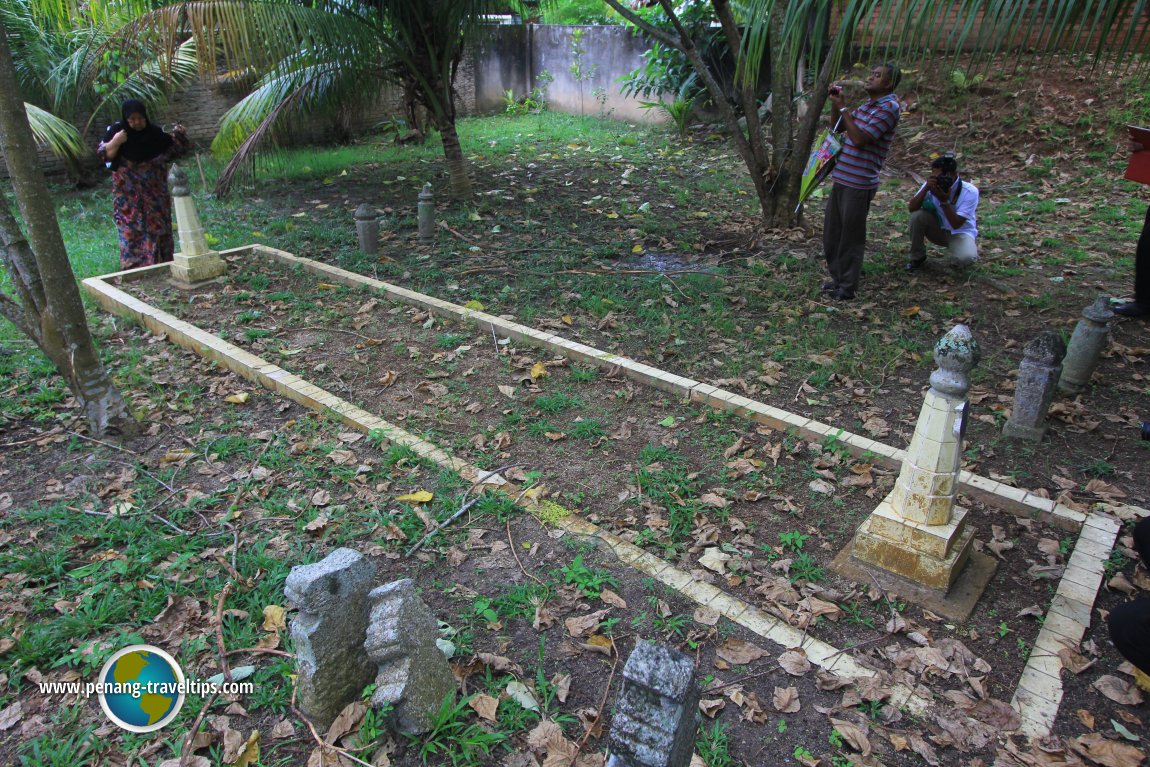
pixel 328 632
pixel 1038 376
pixel 411 671
pixel 1090 338
pixel 656 712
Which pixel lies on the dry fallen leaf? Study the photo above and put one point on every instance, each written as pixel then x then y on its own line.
pixel 1117 690
pixel 1108 753
pixel 11 716
pixel 739 653
pixel 348 721
pixel 613 599
pixel 714 559
pixel 484 705
pixel 854 735
pixel 237 399
pixel 274 618
pixel 711 706
pixel 708 616
pixel 419 496
pixel 786 700
pixel 795 662
pixel 582 625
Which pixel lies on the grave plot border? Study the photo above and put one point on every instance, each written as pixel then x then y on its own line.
pixel 1039 691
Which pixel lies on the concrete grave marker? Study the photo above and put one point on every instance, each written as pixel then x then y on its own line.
pixel 917 534
pixel 412 673
pixel 1037 378
pixel 1091 336
pixel 195 263
pixel 328 632
pixel 656 711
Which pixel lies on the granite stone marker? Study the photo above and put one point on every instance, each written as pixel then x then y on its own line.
pixel 1038 376
pixel 1090 338
pixel 656 711
pixel 328 632
pixel 412 674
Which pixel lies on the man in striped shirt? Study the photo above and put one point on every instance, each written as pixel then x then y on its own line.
pixel 869 132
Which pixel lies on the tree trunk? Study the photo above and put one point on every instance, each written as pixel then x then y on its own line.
pixel 50 310
pixel 456 166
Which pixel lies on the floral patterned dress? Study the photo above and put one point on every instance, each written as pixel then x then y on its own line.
pixel 142 207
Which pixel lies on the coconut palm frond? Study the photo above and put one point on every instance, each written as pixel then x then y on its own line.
pixel 153 81
pixel 58 136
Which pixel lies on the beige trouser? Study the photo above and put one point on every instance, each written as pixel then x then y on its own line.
pixel 924 224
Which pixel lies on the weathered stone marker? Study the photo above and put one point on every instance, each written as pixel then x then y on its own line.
pixel 413 675
pixel 196 263
pixel 367 229
pixel 1091 335
pixel 425 210
pixel 328 632
pixel 917 532
pixel 1037 378
pixel 656 711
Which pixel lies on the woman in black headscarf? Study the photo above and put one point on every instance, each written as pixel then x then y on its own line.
pixel 136 152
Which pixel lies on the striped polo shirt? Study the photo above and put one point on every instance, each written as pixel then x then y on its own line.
pixel 858 167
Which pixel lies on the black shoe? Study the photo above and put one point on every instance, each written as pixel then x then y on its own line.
pixel 1132 309
pixel 914 266
pixel 839 294
pixel 829 286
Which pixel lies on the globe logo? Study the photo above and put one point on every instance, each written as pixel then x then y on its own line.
pixel 141 688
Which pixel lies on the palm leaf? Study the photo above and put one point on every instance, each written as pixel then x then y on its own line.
pixel 57 135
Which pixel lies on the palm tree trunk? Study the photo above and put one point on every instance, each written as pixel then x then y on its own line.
pixel 456 166
pixel 51 308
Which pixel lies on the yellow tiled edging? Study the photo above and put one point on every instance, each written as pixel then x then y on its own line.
pixel 1039 691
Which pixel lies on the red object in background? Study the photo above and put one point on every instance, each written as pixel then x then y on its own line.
pixel 1138 169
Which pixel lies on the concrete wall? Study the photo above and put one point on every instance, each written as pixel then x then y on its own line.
pixel 512 57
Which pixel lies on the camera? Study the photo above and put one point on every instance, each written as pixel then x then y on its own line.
pixel 945 181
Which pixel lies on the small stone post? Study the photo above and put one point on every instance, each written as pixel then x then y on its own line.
pixel 1037 376
pixel 656 712
pixel 196 263
pixel 413 675
pixel 917 532
pixel 367 229
pixel 426 211
pixel 328 632
pixel 1091 336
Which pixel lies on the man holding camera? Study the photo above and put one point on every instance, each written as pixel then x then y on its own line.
pixel 869 133
pixel 943 211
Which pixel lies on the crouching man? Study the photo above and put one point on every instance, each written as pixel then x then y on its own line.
pixel 944 211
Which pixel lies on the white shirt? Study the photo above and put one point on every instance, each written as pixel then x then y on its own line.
pixel 966 206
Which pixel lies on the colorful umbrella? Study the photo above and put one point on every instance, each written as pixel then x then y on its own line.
pixel 820 163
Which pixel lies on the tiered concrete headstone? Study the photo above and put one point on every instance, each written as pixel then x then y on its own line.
pixel 1037 378
pixel 1090 338
pixel 656 712
pixel 196 262
pixel 917 532
pixel 413 675
pixel 328 632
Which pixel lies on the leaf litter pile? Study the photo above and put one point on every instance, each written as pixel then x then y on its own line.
pixel 185 539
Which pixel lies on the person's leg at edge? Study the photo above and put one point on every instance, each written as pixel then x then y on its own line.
pixel 832 236
pixel 1129 623
pixel 1140 306
pixel 856 208
pixel 921 222
pixel 962 250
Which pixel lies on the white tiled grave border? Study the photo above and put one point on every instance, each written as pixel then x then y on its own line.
pixel 1039 690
